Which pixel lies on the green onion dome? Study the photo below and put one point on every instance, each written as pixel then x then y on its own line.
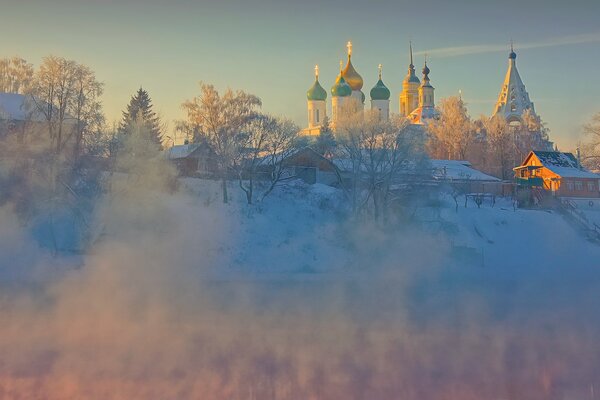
pixel 380 91
pixel 341 88
pixel 316 92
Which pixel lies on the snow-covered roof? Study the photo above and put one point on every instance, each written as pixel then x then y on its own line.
pixel 15 107
pixel 180 151
pixel 458 170
pixel 423 113
pixel 563 164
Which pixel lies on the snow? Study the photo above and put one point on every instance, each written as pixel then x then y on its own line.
pixel 180 151
pixel 459 170
pixel 569 172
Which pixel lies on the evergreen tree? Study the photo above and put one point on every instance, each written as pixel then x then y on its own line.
pixel 139 110
pixel 325 143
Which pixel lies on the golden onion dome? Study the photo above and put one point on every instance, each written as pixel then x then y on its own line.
pixel 352 77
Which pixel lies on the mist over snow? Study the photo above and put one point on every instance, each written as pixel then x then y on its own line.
pixel 182 297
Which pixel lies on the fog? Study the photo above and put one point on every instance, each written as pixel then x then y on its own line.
pixel 158 306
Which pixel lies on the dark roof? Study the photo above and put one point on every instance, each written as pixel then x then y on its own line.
pixel 557 159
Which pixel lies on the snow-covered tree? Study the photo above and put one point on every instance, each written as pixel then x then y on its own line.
pixel 280 143
pixel 16 75
pixel 140 108
pixel 375 152
pixel 590 150
pixel 222 120
pixel 451 135
pixel 499 146
pixel 325 143
pixel 67 95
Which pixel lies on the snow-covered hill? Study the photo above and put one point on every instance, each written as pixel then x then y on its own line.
pixel 183 297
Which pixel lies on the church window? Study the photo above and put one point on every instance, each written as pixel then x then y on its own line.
pixel 513 107
pixel 317 116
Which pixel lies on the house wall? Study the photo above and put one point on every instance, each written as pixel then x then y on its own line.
pixel 578 187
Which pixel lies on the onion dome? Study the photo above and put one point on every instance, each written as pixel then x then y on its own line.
pixel 349 73
pixel 380 91
pixel 341 88
pixel 316 92
pixel 426 72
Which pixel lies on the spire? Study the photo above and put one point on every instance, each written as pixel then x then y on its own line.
pixel 410 76
pixel 512 55
pixel 349 47
pixel 380 68
pixel 317 72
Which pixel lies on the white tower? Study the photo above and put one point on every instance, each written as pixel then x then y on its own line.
pixel 341 95
pixel 316 101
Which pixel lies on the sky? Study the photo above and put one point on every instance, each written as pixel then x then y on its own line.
pixel 269 48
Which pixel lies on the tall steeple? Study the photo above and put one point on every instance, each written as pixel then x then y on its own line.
pixel 513 99
pixel 426 109
pixel 409 97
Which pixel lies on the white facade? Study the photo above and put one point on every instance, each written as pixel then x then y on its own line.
pixel 383 107
pixel 317 111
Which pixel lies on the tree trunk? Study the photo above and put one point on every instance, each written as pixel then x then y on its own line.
pixel 224 187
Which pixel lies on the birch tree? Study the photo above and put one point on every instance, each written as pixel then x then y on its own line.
pixel 450 136
pixel 221 120
pixel 16 75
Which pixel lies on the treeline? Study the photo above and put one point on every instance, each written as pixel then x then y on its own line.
pixel 491 144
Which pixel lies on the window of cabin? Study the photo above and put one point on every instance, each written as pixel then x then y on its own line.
pixel 591 186
pixel 570 186
pixel 578 185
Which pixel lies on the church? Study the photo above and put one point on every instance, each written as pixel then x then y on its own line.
pixel 416 99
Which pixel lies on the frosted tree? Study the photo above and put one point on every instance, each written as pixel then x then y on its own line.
pixel 221 120
pixel 280 143
pixel 325 143
pixel 590 151
pixel 375 152
pixel 16 75
pixel 140 109
pixel 499 146
pixel 67 96
pixel 451 135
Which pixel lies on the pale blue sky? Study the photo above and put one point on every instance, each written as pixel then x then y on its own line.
pixel 270 47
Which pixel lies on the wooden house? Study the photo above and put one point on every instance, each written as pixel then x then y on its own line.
pixel 196 159
pixel 558 173
pixel 311 167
